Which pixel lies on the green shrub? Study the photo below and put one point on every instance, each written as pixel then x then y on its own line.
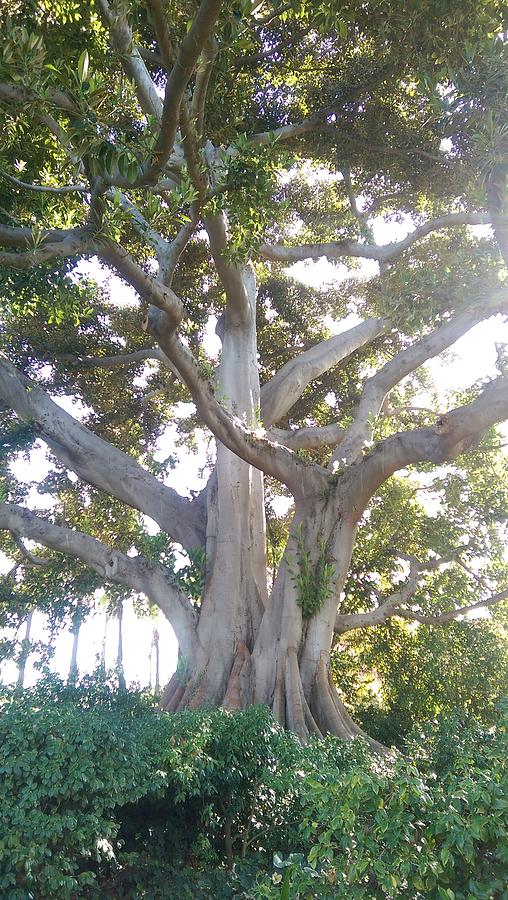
pixel 435 827
pixel 102 796
pixel 65 768
pixel 232 778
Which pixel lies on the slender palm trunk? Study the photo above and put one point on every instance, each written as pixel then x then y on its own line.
pixel 103 643
pixel 73 666
pixel 23 656
pixel 155 644
pixel 119 652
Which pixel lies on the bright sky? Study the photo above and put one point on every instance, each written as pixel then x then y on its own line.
pixel 472 357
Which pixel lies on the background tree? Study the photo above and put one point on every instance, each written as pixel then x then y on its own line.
pixel 197 152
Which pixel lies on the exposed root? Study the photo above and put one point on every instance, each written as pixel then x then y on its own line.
pixel 198 693
pixel 354 728
pixel 247 682
pixel 174 703
pixel 233 697
pixel 279 697
pixel 294 705
pixel 169 691
pixel 328 714
pixel 309 718
pixel 324 712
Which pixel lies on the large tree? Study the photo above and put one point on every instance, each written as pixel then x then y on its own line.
pixel 197 152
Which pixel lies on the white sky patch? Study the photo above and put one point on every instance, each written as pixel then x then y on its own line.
pixel 141 380
pixel 211 341
pixel 190 472
pixel 389 232
pixel 481 231
pixel 151 526
pixel 321 273
pixel 183 410
pixel 281 505
pixel 120 293
pixel 73 406
pixel 338 326
pixel 35 467
pixel 137 640
pixel 472 357
pixel 45 373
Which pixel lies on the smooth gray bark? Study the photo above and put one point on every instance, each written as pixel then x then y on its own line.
pixel 73 666
pixel 243 645
pixel 24 654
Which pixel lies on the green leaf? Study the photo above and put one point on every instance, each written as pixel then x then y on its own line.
pixel 83 63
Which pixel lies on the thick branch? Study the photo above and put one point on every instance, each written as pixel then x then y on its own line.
pixel 140 224
pixel 58 244
pixel 256 450
pixel 168 260
pixel 283 390
pixel 311 438
pixel 188 55
pixel 203 76
pixel 40 248
pixel 351 622
pixel 46 188
pixel 151 289
pixel 136 573
pixel 389 606
pixel 382 253
pixel 23 238
pixel 236 280
pixel 456 432
pixel 284 133
pixel 99 463
pixel 121 37
pixel 17 94
pixel 162 33
pixel 150 56
pixel 454 613
pixel 379 385
pixel 36 257
pixel 30 557
pixel 362 216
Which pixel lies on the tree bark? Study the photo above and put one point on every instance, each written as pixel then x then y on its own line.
pixel 155 645
pixel 73 667
pixel 249 648
pixel 23 656
pixel 119 652
pixel 235 585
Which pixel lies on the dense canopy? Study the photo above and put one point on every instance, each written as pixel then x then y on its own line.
pixel 198 152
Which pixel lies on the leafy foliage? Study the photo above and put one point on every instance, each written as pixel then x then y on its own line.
pixel 103 796
pixel 431 827
pixel 65 769
pixel 313 578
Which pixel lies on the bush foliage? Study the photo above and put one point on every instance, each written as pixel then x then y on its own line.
pixel 101 795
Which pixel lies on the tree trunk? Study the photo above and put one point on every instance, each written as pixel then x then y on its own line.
pixel 103 644
pixel 157 684
pixel 251 649
pixel 235 592
pixel 73 667
pixel 23 656
pixel 119 652
pixel 285 663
